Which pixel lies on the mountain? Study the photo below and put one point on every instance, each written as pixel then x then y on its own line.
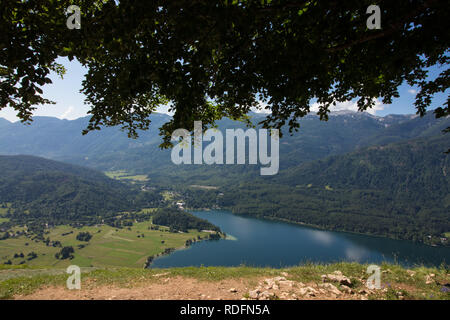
pixel 38 192
pixel 399 190
pixel 62 139
pixel 45 190
pixel 415 127
pixel 4 122
pixel 407 166
pixel 357 172
pixel 111 149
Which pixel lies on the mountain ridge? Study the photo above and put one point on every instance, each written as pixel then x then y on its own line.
pixel 111 149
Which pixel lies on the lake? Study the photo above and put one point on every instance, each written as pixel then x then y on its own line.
pixel 267 243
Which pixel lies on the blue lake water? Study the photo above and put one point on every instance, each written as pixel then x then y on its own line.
pixel 275 244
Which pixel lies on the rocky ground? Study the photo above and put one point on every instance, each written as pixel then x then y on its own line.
pixel 332 286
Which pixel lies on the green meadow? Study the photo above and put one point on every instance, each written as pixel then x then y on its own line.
pixel 3 211
pixel 124 175
pixel 109 246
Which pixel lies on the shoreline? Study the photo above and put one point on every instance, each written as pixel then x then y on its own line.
pixel 168 251
pixel 317 227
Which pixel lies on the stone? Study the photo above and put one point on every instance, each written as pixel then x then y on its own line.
pixel 233 290
pixel 302 291
pixel 254 294
pixel 270 282
pixel 279 278
pixel 411 273
pixel 363 291
pixel 336 276
pixel 330 288
pixel 286 284
pixel 346 289
pixel 266 295
pixel 308 291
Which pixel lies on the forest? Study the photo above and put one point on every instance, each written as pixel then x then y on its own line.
pixel 391 180
pixel 400 190
pixel 181 221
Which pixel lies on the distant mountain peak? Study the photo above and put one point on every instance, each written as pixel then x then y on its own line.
pixel 343 112
pixel 353 113
pixel 3 120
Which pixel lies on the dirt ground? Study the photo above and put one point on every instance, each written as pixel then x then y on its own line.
pixel 180 288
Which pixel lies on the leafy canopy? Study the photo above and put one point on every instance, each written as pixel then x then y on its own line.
pixel 208 58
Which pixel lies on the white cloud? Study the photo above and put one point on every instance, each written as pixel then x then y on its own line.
pixel 261 108
pixel 341 106
pixel 9 114
pixel 412 91
pixel 165 109
pixel 72 113
pixel 66 113
pixel 350 106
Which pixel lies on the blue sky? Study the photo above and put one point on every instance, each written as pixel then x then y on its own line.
pixel 70 102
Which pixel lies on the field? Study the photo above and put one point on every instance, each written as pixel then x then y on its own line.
pixel 107 247
pixel 3 211
pixel 124 175
pixel 4 208
pixel 203 187
pixel 168 195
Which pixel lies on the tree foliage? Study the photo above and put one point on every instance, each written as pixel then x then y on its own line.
pixel 210 59
pixel 30 42
pixel 84 236
pixel 181 221
pixel 65 253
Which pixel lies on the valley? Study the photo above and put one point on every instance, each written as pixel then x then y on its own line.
pixel 387 181
pixel 224 150
pixel 108 247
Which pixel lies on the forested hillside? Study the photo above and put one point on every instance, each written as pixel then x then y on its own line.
pixel 44 190
pixel 181 221
pixel 380 175
pixel 400 190
pixel 111 149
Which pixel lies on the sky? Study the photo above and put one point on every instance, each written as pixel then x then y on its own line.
pixel 70 102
